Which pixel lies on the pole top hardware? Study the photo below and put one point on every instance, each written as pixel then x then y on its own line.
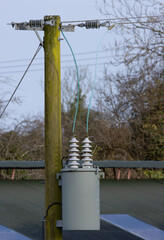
pixel 33 24
pixel 94 24
pixel 67 28
pixel 38 25
pixel 90 24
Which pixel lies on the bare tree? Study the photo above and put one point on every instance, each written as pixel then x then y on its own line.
pixel 132 96
pixel 70 86
pixel 140 32
pixel 5 85
pixel 24 142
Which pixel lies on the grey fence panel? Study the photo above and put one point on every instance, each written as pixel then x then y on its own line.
pixel 101 164
pixel 22 164
pixel 129 164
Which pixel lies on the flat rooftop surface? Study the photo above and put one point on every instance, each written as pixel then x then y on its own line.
pixel 22 207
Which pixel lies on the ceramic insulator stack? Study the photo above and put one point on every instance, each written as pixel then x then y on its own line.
pixel 87 161
pixel 73 161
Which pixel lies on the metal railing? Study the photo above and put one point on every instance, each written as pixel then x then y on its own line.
pixel 114 164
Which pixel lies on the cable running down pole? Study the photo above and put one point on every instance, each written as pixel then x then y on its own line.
pixel 77 104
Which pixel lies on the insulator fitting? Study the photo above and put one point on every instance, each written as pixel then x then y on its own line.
pixel 73 161
pixel 33 24
pixel 36 23
pixel 92 24
pixel 87 161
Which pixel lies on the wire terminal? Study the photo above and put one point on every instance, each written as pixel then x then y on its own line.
pixel 94 24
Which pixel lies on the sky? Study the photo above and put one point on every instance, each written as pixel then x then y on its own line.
pixel 18 47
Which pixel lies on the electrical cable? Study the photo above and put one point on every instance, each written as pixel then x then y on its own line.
pixel 94 82
pixel 77 104
pixel 113 19
pixel 66 61
pixel 38 49
pixel 64 55
pixel 67 55
pixel 52 204
pixel 64 67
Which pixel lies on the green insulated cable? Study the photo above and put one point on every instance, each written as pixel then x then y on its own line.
pixel 77 105
pixel 94 82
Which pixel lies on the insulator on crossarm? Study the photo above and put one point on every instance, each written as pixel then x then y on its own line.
pixel 87 161
pixel 92 24
pixel 73 161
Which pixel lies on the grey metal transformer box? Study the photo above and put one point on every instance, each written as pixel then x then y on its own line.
pixel 80 199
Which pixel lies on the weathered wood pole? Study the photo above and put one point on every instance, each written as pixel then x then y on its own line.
pixel 53 144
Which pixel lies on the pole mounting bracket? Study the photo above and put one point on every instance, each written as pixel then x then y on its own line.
pixel 33 24
pixel 38 36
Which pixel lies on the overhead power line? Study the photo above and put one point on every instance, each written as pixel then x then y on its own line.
pixel 66 61
pixel 8 102
pixel 65 55
pixel 64 67
pixel 114 19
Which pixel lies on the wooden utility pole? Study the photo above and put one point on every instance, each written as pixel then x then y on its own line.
pixel 53 143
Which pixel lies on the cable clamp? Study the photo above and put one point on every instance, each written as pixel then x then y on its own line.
pixel 59 223
pixel 67 28
pixel 59 178
pixel 49 22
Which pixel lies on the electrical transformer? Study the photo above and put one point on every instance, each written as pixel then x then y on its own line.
pixel 80 199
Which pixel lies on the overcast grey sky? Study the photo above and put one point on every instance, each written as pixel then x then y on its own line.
pixel 17 45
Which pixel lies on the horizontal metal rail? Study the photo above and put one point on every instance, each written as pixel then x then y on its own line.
pixel 129 164
pixel 101 164
pixel 22 164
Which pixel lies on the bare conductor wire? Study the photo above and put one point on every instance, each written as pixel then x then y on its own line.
pixel 38 49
